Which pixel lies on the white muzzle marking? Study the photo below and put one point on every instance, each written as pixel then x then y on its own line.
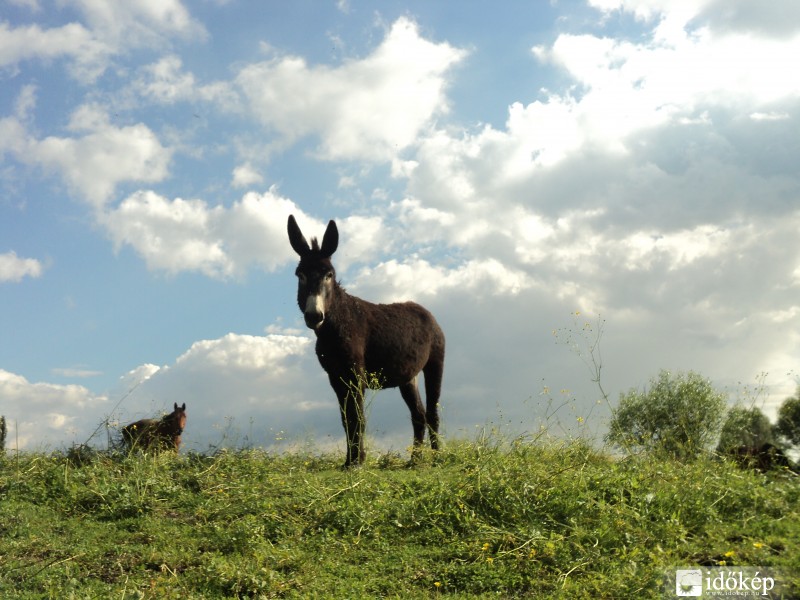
pixel 315 311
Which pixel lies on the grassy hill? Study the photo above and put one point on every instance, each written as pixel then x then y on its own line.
pixel 482 519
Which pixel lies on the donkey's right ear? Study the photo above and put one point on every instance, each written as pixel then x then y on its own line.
pixel 296 237
pixel 330 241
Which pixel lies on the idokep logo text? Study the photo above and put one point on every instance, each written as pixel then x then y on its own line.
pixel 727 582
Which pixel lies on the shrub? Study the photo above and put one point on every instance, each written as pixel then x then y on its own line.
pixel 745 427
pixel 679 415
pixel 788 425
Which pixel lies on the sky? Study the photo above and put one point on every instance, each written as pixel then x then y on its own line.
pixel 572 188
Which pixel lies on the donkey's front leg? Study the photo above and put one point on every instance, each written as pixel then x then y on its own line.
pixel 351 406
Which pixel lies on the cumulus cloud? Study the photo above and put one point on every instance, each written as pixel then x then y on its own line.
pixel 780 18
pixel 29 42
pixel 223 242
pixel 36 411
pixel 364 109
pixel 658 187
pixel 241 385
pixel 108 30
pixel 94 161
pixel 263 378
pixel 235 353
pixel 173 235
pixel 140 21
pixel 13 268
pixel 245 176
pixel 189 235
pixel 394 281
pixel 166 82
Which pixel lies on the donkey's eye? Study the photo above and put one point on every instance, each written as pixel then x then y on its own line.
pixel 328 276
pixel 302 278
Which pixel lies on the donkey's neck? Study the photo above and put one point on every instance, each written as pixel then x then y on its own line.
pixel 344 312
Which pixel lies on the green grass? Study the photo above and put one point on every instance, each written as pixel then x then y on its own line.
pixel 481 519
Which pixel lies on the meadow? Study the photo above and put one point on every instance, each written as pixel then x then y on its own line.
pixel 483 518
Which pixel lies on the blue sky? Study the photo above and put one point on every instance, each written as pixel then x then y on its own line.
pixel 520 169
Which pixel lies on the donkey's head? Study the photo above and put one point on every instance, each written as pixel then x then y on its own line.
pixel 178 417
pixel 316 277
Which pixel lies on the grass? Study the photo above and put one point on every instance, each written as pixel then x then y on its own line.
pixel 486 518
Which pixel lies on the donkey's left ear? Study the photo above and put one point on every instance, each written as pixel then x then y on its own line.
pixel 183 406
pixel 296 237
pixel 330 241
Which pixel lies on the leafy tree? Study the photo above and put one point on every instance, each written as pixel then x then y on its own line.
pixel 745 427
pixel 679 415
pixel 788 425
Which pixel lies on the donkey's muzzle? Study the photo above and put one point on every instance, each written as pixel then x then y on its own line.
pixel 314 314
pixel 313 319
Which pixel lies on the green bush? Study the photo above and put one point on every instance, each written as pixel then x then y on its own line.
pixel 745 427
pixel 788 425
pixel 679 415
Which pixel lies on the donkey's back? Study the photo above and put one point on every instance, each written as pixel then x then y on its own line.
pixel 401 340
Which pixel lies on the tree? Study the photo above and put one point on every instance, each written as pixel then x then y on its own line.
pixel 788 425
pixel 745 427
pixel 679 415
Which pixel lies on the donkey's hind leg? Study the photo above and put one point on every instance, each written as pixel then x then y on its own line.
pixel 434 370
pixel 410 394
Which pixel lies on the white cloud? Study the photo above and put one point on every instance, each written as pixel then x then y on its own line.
pixel 140 21
pixel 366 109
pixel 189 235
pixel 780 18
pixel 32 5
pixel 245 176
pixel 14 268
pixel 95 163
pixel 416 278
pixel 236 353
pixel 626 87
pixel 769 116
pixel 134 378
pixel 37 411
pixel 77 372
pixel 223 242
pixel 263 378
pixel 657 187
pixel 173 235
pixel 163 81
pixel 166 82
pixel 110 29
pixel 241 385
pixel 31 42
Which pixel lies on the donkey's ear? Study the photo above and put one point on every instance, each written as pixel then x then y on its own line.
pixel 183 406
pixel 330 241
pixel 296 237
pixel 176 405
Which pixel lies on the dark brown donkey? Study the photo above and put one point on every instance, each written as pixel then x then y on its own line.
pixel 156 434
pixel 358 340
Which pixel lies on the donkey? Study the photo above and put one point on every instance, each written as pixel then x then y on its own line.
pixel 357 340
pixel 158 434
